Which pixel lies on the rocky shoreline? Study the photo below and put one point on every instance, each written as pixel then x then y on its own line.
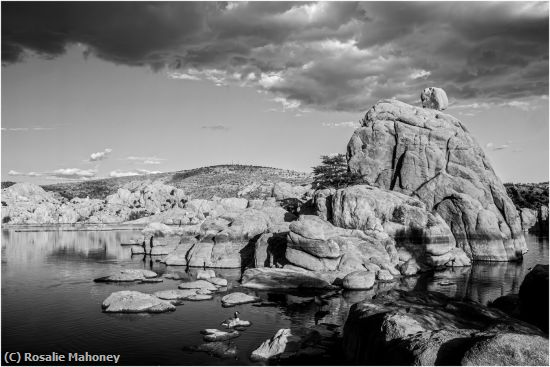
pixel 429 200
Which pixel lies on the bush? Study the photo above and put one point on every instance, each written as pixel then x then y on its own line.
pixel 333 172
pixel 138 214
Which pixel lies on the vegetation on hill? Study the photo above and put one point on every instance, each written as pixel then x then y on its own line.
pixel 204 182
pixel 6 184
pixel 333 172
pixel 529 195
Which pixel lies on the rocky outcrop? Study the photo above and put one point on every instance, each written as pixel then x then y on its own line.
pixel 127 275
pixel 431 156
pixel 273 347
pixel 429 328
pixel 238 298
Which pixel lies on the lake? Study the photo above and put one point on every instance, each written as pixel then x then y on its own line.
pixel 51 304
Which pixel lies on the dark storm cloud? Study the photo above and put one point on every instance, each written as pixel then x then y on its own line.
pixel 328 55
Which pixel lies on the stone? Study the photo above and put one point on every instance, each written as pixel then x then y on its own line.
pixel 135 302
pixel 205 274
pixel 238 298
pixel 284 190
pixel 175 294
pixel 431 155
pixel 219 282
pixel 528 218
pixel 179 256
pixel 127 275
pixel 322 201
pixel 434 98
pixel 198 284
pixel 217 349
pixel 384 275
pixel 272 347
pixel 200 297
pixel 422 328
pixel 283 278
pixel 410 267
pixel 508 349
pixel 269 250
pixel 215 335
pixel 360 279
pixel 139 250
pixel 533 297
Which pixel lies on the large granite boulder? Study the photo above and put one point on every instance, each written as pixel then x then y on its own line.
pixel 434 98
pixel 429 328
pixel 283 278
pixel 431 156
pixel 135 302
pixel 533 297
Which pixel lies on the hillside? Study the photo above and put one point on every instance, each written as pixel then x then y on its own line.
pixel 204 182
pixel 529 195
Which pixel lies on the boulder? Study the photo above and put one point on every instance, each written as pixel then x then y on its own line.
pixel 508 349
pixel 431 156
pixel 270 278
pixel 206 274
pixel 533 297
pixel 238 298
pixel 175 294
pixel 269 250
pixel 179 255
pixel 135 302
pixel 217 349
pixel 360 279
pixel 528 218
pixel 284 190
pixel 423 328
pixel 272 347
pixel 218 282
pixel 434 98
pixel 322 201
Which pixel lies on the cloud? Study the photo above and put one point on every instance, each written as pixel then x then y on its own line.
pixel 99 156
pixel 346 124
pixel 323 55
pixel 63 173
pixel 493 147
pixel 215 127
pixel 138 172
pixel 146 160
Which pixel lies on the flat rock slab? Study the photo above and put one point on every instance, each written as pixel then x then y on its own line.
pixel 152 280
pixel 270 278
pixel 200 297
pixel 272 347
pixel 135 302
pixel 175 294
pixel 238 298
pixel 206 274
pixel 198 284
pixel 216 349
pixel 214 335
pixel 127 275
pixel 219 282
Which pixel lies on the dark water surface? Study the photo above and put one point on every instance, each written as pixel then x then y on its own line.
pixel 51 304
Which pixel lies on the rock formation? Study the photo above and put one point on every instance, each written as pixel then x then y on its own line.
pixel 428 328
pixel 434 98
pixel 431 156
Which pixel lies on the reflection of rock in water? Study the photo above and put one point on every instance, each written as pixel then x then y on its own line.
pixel 217 349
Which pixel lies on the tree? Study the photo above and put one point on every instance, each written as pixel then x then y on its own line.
pixel 333 172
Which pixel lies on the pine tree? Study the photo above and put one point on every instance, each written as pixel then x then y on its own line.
pixel 333 172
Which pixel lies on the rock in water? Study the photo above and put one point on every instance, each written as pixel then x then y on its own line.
pixel 434 98
pixel 360 279
pixel 432 156
pixel 127 275
pixel 215 335
pixel 533 297
pixel 272 278
pixel 205 274
pixel 135 302
pixel 198 284
pixel 217 349
pixel 272 347
pixel 238 298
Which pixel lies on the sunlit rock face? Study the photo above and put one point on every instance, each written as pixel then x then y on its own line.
pixel 431 156
pixel 434 98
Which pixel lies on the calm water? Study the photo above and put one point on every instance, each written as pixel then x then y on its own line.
pixel 51 304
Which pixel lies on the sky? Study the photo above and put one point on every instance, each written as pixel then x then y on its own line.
pixel 101 89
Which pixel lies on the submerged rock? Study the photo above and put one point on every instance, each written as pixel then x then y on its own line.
pixel 238 298
pixel 127 275
pixel 432 156
pixel 198 284
pixel 215 335
pixel 217 349
pixel 135 302
pixel 175 294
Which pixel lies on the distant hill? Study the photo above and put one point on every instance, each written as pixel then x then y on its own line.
pixel 204 182
pixel 529 195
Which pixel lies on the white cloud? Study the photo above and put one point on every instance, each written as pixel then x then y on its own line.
pixel 419 74
pixel 34 128
pixel 490 145
pixel 99 156
pixel 137 172
pixel 182 75
pixel 494 147
pixel 346 124
pixel 215 127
